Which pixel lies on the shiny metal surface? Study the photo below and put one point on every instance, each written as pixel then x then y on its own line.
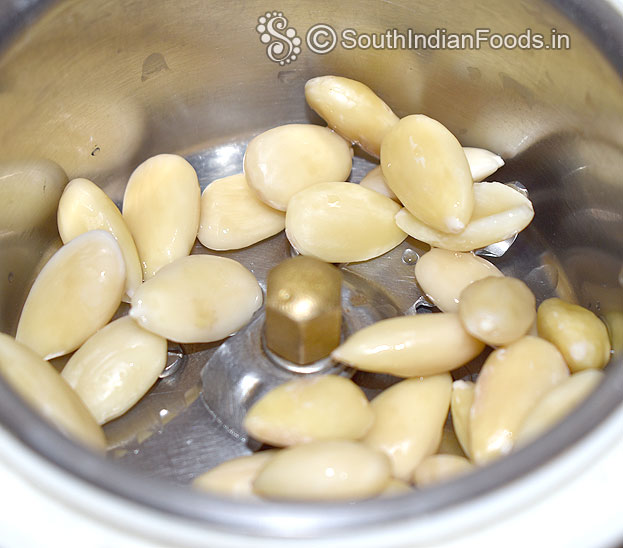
pixel 303 309
pixel 98 87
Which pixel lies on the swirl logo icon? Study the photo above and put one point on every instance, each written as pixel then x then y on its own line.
pixel 282 43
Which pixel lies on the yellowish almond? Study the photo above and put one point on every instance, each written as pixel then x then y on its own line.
pixel 235 477
pixel 440 468
pixel 307 409
pixel 29 193
pixel 233 217
pixel 41 386
pixel 324 471
pixel 161 208
pixel 395 488
pixel 510 383
pixel 425 166
pixel 77 292
pixel 342 222
pixel 443 274
pixel 352 109
pixel 374 180
pixel 450 444
pixel 482 163
pixel 287 159
pixel 460 408
pixel 116 367
pixel 409 419
pixel 498 311
pixel 83 207
pixel 581 337
pixel 499 213
pixel 201 298
pixel 409 346
pixel 558 403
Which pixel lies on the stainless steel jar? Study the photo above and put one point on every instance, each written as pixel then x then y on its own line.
pixel 99 86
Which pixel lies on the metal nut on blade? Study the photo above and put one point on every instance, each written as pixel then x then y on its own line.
pixel 303 309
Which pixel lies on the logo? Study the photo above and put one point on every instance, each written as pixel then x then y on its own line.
pixel 282 43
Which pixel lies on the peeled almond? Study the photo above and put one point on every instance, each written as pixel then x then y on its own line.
pixel 116 367
pixel 324 471
pixel 460 406
pixel 396 487
pixel 232 216
pixel 510 383
pixel 29 193
pixel 450 444
pixel 439 468
pixel 287 159
pixel 306 409
pixel 581 337
pixel 83 207
pixel 497 311
pixel 44 389
pixel 374 180
pixel 77 292
pixel 558 403
pixel 161 208
pixel 409 419
pixel 235 477
pixel 200 298
pixel 614 321
pixel 443 274
pixel 352 109
pixel 409 346
pixel 342 222
pixel 424 164
pixel 499 213
pixel 482 163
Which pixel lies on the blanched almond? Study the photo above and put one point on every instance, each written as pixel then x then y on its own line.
pixel 497 311
pixel 77 292
pixel 482 163
pixel 352 109
pixel 426 167
pixel 232 216
pixel 116 367
pixel 409 419
pixel 287 159
pixel 450 444
pixel 409 346
pixel 308 409
pixel 396 487
pixel 374 180
pixel 83 207
pixel 443 274
pixel 43 388
pixel 440 468
pixel 614 321
pixel 581 337
pixel 29 193
pixel 558 403
pixel 161 208
pixel 460 406
pixel 200 298
pixel 510 383
pixel 499 213
pixel 324 470
pixel 235 477
pixel 342 222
